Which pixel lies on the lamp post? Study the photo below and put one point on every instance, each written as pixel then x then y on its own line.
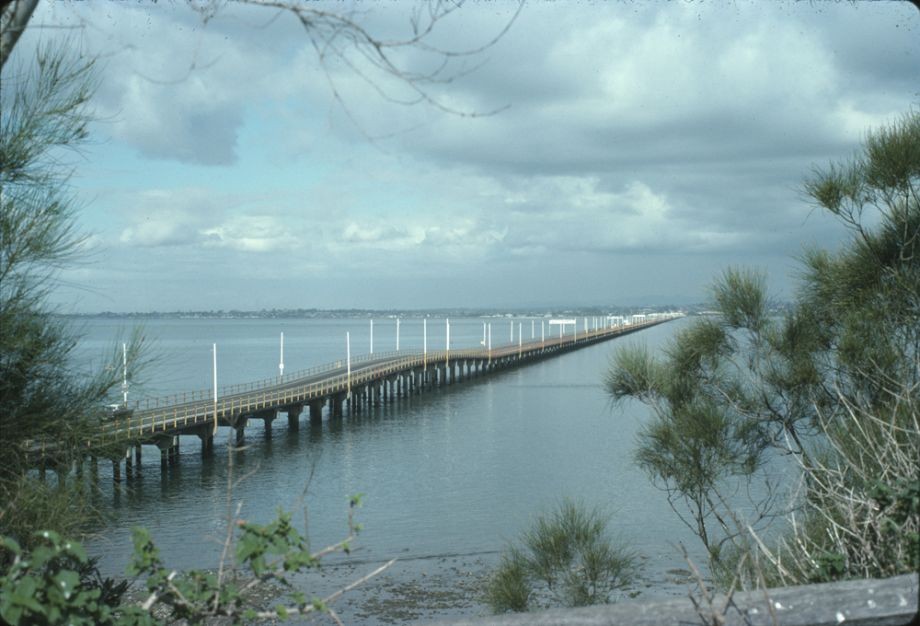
pixel 214 370
pixel 372 336
pixel 425 343
pixel 348 363
pixel 124 374
pixel 397 334
pixel 447 343
pixel 281 361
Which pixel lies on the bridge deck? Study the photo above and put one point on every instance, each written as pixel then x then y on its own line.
pixel 194 412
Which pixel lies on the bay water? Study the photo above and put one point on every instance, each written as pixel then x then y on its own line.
pixel 448 477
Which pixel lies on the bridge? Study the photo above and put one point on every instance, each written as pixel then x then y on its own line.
pixel 334 388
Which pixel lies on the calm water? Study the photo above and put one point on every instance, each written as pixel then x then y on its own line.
pixel 447 475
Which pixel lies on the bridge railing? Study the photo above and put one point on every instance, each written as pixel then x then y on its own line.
pixel 259 396
pixel 145 422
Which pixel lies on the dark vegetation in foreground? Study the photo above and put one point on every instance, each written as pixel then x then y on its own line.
pixel 834 385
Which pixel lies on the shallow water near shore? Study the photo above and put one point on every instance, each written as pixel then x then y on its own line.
pixel 449 477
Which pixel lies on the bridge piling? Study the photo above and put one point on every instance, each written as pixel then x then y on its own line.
pixel 293 416
pixel 116 470
pixel 336 402
pixel 316 411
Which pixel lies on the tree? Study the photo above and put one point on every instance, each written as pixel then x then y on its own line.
pixel 832 383
pixel 565 558
pixel 46 402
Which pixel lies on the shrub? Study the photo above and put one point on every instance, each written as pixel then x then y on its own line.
pixel 565 558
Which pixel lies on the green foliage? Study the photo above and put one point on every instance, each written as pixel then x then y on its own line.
pixel 565 556
pixel 833 383
pixel 509 588
pixel 47 404
pixel 55 583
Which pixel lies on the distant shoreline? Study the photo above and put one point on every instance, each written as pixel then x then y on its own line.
pixel 385 313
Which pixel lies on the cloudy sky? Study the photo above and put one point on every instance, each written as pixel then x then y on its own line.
pixel 619 152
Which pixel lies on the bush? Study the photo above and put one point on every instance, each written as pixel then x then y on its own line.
pixel 565 559
pixel 833 382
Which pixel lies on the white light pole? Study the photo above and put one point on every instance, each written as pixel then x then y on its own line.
pixel 214 369
pixel 425 342
pixel 348 362
pixel 447 343
pixel 490 342
pixel 512 332
pixel 372 336
pixel 124 374
pixel 532 323
pixel 397 334
pixel 519 339
pixel 483 342
pixel 542 334
pixel 281 362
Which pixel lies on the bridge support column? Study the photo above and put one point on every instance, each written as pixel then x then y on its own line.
pixel 336 404
pixel 374 399
pixel 116 470
pixel 205 434
pixel 137 455
pixel 172 450
pixel 293 416
pixel 129 464
pixel 164 459
pixel 316 411
pixel 238 424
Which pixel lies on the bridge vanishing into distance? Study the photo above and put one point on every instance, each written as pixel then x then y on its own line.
pixel 333 389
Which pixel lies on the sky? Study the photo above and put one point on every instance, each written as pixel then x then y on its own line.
pixel 597 153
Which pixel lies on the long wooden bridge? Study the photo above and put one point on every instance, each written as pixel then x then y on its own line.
pixel 334 388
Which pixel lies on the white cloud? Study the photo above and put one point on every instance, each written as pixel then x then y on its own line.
pixel 251 233
pixel 634 131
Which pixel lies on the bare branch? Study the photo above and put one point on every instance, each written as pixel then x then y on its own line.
pixel 13 20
